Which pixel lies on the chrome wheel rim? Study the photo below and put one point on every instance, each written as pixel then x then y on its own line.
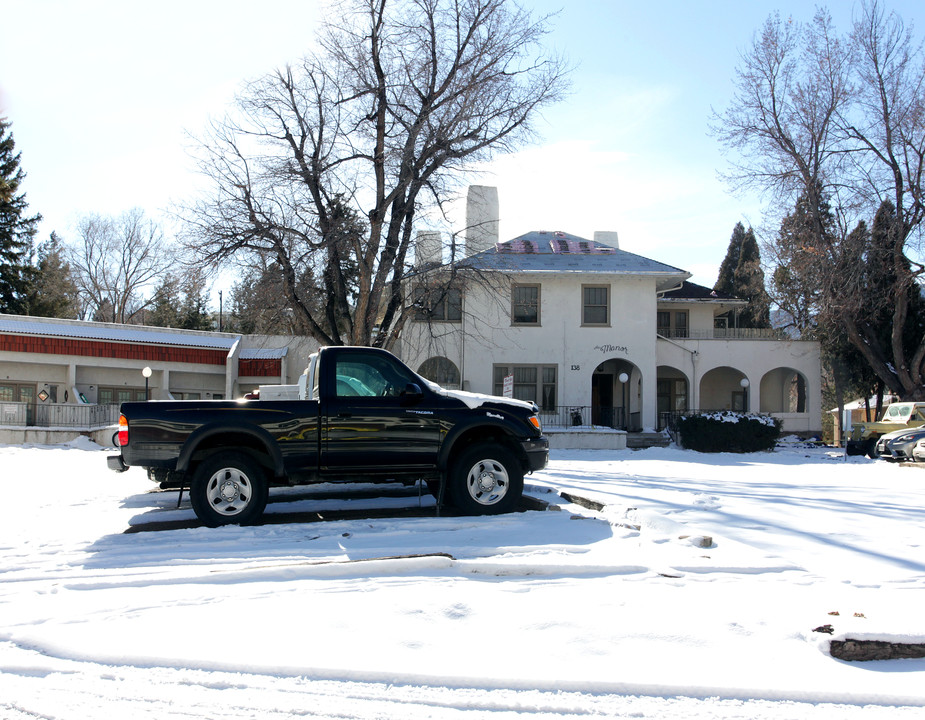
pixel 229 491
pixel 487 482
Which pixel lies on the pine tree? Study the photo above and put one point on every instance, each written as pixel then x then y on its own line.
pixel 165 307
pixel 725 281
pixel 194 314
pixel 54 292
pixel 749 285
pixel 883 286
pixel 741 276
pixel 16 229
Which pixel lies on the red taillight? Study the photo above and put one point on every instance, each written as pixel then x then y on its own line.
pixel 123 431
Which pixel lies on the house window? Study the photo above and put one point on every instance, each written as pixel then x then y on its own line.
pixel 441 370
pixel 117 396
pixel 533 383
pixel 595 305
pixel 440 304
pixel 17 392
pixel 525 305
pixel 183 395
pixel 672 323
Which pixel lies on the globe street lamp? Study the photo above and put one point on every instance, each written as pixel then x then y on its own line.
pixel 623 377
pixel 744 383
pixel 147 373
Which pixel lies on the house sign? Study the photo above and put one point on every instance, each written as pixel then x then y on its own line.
pixel 611 349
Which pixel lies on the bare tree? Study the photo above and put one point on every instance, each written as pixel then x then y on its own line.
pixel 115 261
pixel 329 162
pixel 837 123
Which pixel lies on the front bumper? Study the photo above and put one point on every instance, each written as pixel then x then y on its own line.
pixel 116 463
pixel 537 451
pixel 858 447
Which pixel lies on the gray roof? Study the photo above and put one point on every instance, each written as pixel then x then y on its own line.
pixel 263 353
pixel 22 325
pixel 560 252
pixel 692 291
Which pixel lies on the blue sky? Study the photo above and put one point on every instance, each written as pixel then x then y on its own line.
pixel 102 94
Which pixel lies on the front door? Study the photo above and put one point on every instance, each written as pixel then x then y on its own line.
pixel 602 409
pixel 371 424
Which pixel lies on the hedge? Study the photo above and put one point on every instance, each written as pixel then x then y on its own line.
pixel 728 432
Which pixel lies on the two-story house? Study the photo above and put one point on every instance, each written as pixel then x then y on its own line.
pixel 596 335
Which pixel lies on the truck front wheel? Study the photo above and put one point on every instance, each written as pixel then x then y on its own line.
pixel 228 488
pixel 486 479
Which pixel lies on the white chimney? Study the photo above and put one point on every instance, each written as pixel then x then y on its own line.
pixel 481 218
pixel 428 249
pixel 607 237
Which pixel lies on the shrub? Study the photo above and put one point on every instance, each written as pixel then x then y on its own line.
pixel 728 432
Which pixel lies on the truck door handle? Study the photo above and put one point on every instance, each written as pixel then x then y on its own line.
pixel 344 414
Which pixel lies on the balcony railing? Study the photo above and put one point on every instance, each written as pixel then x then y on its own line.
pixel 725 334
pixel 586 416
pixel 84 417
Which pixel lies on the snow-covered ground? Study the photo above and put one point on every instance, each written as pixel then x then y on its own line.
pixel 693 593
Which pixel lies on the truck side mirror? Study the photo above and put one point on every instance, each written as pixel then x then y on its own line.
pixel 412 392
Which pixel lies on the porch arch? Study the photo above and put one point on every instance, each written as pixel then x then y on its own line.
pixel 616 395
pixel 725 388
pixel 440 370
pixel 784 390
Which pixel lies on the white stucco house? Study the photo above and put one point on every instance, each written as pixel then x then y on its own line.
pixel 589 331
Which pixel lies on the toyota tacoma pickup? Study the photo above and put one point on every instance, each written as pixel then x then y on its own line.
pixel 358 414
pixel 898 416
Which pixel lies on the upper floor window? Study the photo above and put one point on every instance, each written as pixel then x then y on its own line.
pixel 441 304
pixel 595 305
pixel 525 305
pixel 672 323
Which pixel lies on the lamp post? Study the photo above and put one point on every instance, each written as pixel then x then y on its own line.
pixel 744 383
pixel 623 377
pixel 147 373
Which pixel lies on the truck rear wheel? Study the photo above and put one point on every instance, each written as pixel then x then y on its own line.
pixel 486 479
pixel 228 488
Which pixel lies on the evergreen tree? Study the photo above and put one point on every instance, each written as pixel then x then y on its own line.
pixel 725 281
pixel 796 281
pixel 165 307
pixel 16 229
pixel 741 276
pixel 749 285
pixel 259 305
pixel 193 312
pixel 180 302
pixel 54 292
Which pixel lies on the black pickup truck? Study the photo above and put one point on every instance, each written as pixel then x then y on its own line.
pixel 358 414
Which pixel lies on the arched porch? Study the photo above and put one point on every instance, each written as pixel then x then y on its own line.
pixel 616 395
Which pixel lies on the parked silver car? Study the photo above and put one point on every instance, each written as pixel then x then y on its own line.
pixel 899 444
pixel 918 450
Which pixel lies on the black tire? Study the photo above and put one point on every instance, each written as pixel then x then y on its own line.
pixel 486 479
pixel 229 488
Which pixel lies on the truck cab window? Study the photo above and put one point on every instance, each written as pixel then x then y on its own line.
pixel 358 376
